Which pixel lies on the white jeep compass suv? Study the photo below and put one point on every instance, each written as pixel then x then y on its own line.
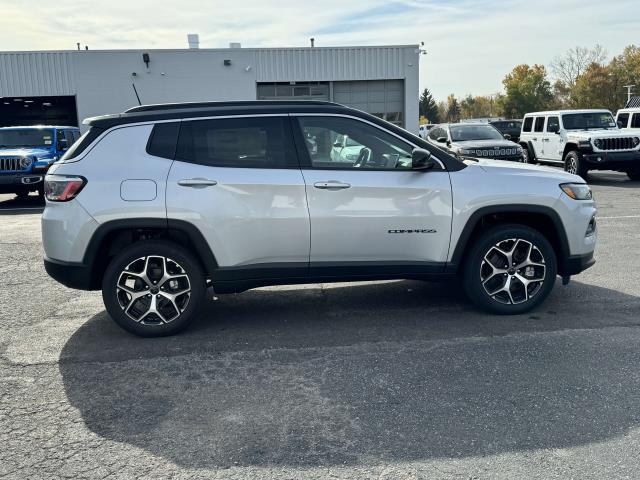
pixel 155 205
pixel 580 140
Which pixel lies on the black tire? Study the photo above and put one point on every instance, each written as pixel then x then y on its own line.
pixel 634 174
pixel 179 313
pixel 526 158
pixel 479 273
pixel 574 163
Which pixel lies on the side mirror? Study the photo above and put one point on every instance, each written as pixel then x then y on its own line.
pixel 62 144
pixel 554 128
pixel 507 136
pixel 442 140
pixel 421 159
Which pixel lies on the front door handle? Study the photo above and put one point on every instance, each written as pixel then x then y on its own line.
pixel 197 182
pixel 535 139
pixel 331 185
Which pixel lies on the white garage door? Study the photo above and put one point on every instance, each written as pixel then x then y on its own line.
pixel 382 98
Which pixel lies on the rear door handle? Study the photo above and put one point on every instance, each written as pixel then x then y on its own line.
pixel 197 182
pixel 331 185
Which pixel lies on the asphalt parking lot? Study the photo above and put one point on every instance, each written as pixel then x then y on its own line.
pixel 382 380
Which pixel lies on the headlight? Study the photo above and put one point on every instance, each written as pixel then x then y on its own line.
pixel 577 191
pixel 598 143
pixel 636 141
pixel 25 162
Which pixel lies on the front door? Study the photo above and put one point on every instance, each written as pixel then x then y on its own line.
pixel 372 214
pixel 239 182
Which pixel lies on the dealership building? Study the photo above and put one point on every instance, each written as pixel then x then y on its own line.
pixel 64 87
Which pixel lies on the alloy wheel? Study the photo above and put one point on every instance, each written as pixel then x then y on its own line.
pixel 572 165
pixel 513 271
pixel 153 290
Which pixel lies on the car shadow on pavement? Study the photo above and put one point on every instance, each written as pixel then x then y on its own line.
pixel 12 205
pixel 362 374
pixel 611 179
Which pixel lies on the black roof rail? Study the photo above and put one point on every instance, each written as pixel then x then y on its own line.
pixel 242 103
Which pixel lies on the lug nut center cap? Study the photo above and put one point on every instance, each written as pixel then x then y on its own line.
pixel 154 290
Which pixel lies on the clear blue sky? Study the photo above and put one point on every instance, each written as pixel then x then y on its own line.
pixel 471 44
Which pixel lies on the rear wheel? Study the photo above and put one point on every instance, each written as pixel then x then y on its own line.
pixel 153 288
pixel 574 163
pixel 510 269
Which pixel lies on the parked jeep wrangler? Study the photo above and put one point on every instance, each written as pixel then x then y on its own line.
pixel 159 203
pixel 580 140
pixel 26 153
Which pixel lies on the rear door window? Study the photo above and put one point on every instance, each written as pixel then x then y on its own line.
pixel 539 126
pixel 260 142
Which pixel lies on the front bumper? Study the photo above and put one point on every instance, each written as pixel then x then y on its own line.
pixel 575 264
pixel 13 182
pixel 613 160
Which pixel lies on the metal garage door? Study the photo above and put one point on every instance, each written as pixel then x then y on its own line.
pixel 294 91
pixel 382 98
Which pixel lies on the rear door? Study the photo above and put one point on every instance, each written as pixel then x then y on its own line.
pixel 374 215
pixel 537 136
pixel 239 182
pixel 551 141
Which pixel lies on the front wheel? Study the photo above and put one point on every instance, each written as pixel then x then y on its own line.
pixel 525 155
pixel 153 288
pixel 511 269
pixel 634 174
pixel 574 163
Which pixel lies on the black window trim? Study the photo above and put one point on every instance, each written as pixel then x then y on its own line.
pixel 288 131
pixel 305 160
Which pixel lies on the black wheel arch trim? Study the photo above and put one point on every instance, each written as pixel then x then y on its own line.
pixel 169 226
pixel 463 241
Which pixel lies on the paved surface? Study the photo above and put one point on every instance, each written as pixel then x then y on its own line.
pixel 384 380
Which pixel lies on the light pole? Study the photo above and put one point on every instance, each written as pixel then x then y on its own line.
pixel 629 93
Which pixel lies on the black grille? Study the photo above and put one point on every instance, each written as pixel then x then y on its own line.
pixel 623 143
pixel 10 164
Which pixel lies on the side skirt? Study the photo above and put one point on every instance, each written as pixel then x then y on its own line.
pixel 240 279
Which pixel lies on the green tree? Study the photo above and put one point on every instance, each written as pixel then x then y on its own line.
pixel 428 107
pixel 527 89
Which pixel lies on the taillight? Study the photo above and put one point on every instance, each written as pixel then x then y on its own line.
pixel 59 188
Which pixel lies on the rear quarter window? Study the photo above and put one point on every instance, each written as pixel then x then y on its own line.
pixel 82 144
pixel 163 140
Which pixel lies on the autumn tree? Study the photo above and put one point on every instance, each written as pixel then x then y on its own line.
pixel 596 88
pixel 428 107
pixel 481 106
pixel 453 109
pixel 527 89
pixel 569 66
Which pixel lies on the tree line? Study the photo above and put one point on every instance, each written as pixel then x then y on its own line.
pixel 580 78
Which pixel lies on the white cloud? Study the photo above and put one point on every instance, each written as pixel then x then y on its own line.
pixel 471 44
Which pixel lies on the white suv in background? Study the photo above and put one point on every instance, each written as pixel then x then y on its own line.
pixel 580 140
pixel 628 119
pixel 157 204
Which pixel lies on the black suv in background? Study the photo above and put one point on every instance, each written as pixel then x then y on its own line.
pixel 509 127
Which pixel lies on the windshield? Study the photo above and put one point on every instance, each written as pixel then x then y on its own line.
pixel 29 137
pixel 462 133
pixel 585 121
